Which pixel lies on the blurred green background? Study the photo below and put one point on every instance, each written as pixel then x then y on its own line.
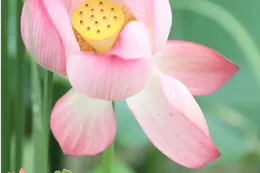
pixel 232 112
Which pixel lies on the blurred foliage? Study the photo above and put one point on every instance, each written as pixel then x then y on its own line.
pixel 117 167
pixel 129 133
pixel 63 171
pixel 232 112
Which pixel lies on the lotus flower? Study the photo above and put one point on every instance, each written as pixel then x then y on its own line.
pixel 21 171
pixel 115 50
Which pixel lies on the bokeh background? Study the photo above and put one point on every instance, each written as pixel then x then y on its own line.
pixel 232 112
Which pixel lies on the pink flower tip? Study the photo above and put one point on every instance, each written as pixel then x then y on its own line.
pixel 21 171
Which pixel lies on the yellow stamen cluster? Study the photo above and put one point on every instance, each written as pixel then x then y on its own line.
pixel 99 22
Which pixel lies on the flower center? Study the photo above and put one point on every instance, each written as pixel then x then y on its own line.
pixel 98 22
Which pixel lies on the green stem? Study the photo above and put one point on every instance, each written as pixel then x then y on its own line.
pixel 37 118
pixel 46 112
pixel 108 155
pixel 230 24
pixel 41 113
pixel 19 114
pixel 6 118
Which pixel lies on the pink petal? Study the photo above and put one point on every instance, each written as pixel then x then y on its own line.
pixel 41 38
pixel 81 125
pixel 134 42
pixel 22 170
pixel 56 9
pixel 200 68
pixel 173 122
pixel 157 15
pixel 71 5
pixel 107 77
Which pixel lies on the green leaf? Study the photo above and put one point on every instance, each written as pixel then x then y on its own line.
pixel 129 132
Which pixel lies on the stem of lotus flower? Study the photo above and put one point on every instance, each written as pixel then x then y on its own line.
pixel 36 99
pixel 41 113
pixel 230 24
pixel 108 155
pixel 19 101
pixel 46 111
pixel 6 118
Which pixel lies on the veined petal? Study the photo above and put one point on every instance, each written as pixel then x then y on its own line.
pixel 200 68
pixel 81 125
pixel 107 77
pixel 133 42
pixel 41 37
pixel 59 16
pixel 157 15
pixel 173 121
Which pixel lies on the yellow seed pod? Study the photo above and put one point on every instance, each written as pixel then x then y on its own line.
pixel 98 19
